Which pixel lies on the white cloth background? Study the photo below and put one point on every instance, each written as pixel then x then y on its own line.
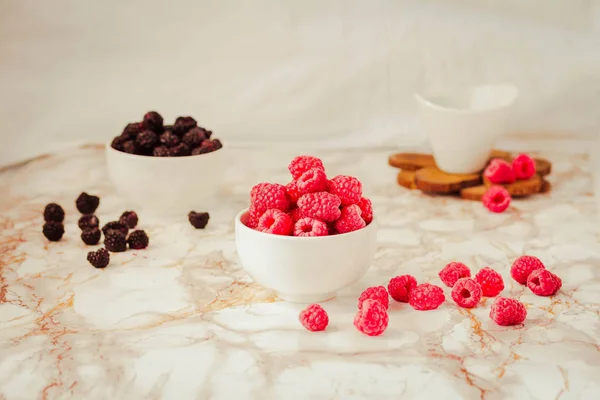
pixel 336 71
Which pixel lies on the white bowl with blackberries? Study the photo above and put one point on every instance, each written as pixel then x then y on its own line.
pixel 166 170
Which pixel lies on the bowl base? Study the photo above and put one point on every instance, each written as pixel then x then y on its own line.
pixel 306 298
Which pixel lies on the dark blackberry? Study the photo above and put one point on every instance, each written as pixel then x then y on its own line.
pixel 115 226
pixel 208 133
pixel 161 151
pixel 53 231
pixel 137 240
pixel 208 146
pixel 129 218
pixel 99 258
pixel 180 150
pixel 117 143
pixel 198 220
pixel 129 146
pixel 168 128
pixel 86 203
pixel 169 139
pixel 184 124
pixel 91 236
pixel 115 241
pixel 146 140
pixel 54 212
pixel 88 221
pixel 131 130
pixel 153 121
pixel 194 137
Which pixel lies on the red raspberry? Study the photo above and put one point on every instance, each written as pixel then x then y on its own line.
pixel 301 164
pixel 372 318
pixel 253 217
pixel 350 220
pixel 347 188
pixel 453 272
pixel 506 311
pixel 276 222
pixel 523 266
pixel 401 286
pixel 271 195
pixel 322 206
pixel 295 214
pixel 257 188
pixel 523 166
pixel 543 282
pixel 367 209
pixel 491 282
pixel 292 191
pixel 314 318
pixel 496 199
pixel 499 171
pixel 310 227
pixel 426 297
pixel 466 292
pixel 375 293
pixel 313 180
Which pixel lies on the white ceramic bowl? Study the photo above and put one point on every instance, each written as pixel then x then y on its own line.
pixel 305 269
pixel 167 186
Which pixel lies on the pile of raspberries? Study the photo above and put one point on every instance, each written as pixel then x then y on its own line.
pixel 151 138
pixel 499 171
pixel 311 204
pixel 372 316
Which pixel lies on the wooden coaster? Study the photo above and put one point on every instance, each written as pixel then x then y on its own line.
pixel 411 161
pixel 520 188
pixel 406 179
pixel 473 193
pixel 433 180
pixel 542 166
pixel 546 186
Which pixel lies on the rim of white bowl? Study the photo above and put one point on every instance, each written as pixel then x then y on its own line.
pixel 238 220
pixel 110 148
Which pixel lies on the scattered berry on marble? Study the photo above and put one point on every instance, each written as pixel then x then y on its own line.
pixel 350 219
pixel 426 297
pixel 115 226
pixel 153 121
pixel 184 124
pixel 523 166
pixel 491 282
pixel 454 271
pixel 366 208
pixel 347 188
pixel 271 195
pixel 301 164
pixel 199 220
pixel 499 171
pixel 181 150
pixel 115 241
pixel 87 203
pixel 314 318
pixel 543 282
pixel 129 218
pixel 372 318
pixel 99 258
pixel 322 206
pixel 523 266
pixel 146 140
pixel 53 231
pixel 466 292
pixel 375 293
pixel 194 137
pixel 496 199
pixel 138 240
pixel 161 151
pixel 276 222
pixel 309 227
pixel 505 311
pixel 88 221
pixel 400 287
pixel 91 236
pixel 292 192
pixel 313 180
pixel 54 212
pixel 169 139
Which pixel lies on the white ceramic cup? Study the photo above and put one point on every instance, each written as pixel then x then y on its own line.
pixel 463 125
pixel 305 269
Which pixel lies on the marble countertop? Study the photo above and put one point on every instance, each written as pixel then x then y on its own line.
pixel 181 319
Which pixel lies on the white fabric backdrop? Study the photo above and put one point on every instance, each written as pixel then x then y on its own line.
pixel 342 71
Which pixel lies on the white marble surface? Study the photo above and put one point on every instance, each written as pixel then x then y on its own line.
pixel 181 320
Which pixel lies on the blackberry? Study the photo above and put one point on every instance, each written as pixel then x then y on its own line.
pixel 115 226
pixel 153 121
pixel 184 124
pixel 117 143
pixel 115 241
pixel 180 150
pixel 131 130
pixel 86 203
pixel 53 231
pixel 88 221
pixel 129 146
pixel 137 240
pixel 161 151
pixel 198 220
pixel 90 236
pixel 208 146
pixel 146 140
pixel 194 137
pixel 99 258
pixel 169 139
pixel 168 128
pixel 54 212
pixel 129 219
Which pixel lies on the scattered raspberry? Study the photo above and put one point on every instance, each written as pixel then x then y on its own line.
pixel 372 318
pixel 350 220
pixel 491 282
pixel 347 188
pixel 322 206
pixel 181 150
pixel 53 212
pixel 507 311
pixel 366 209
pixel 523 266
pixel 129 219
pixel 138 240
pixel 88 221
pixel 130 147
pixel 194 137
pixel 301 164
pixel 426 297
pixel 169 139
pixel 53 231
pixel 543 282
pixel 276 222
pixel 146 140
pixel 453 272
pixel 198 220
pixel 295 214
pixel 314 318
pixel 308 227
pixel 208 146
pixel 153 121
pixel 496 199
pixel 99 258
pixel 523 166
pixel 184 124
pixel 313 180
pixel 91 236
pixel 131 130
pixel 115 241
pixel 115 226
pixel 292 191
pixel 375 293
pixel 401 286
pixel 466 292
pixel 499 171
pixel 87 204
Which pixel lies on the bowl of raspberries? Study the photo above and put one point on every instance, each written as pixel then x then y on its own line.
pixel 307 239
pixel 166 169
